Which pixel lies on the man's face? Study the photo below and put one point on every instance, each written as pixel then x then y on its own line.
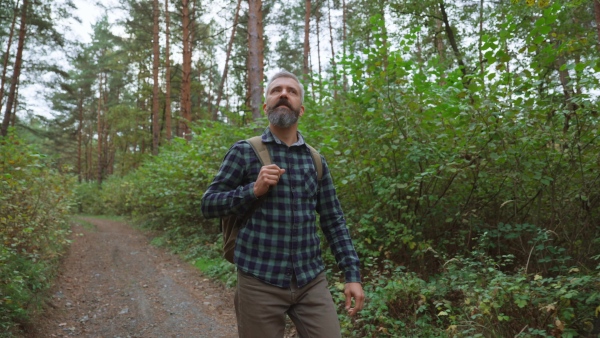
pixel 283 102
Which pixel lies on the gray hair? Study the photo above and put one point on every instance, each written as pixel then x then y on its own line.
pixel 285 73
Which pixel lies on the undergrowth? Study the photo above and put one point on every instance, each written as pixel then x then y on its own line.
pixel 34 225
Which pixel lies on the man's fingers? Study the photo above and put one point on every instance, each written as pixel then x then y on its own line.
pixel 354 290
pixel 268 176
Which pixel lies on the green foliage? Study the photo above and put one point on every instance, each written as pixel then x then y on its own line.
pixel 471 192
pixel 34 208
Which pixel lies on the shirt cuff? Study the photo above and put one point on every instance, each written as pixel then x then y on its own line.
pixel 248 193
pixel 251 187
pixel 352 276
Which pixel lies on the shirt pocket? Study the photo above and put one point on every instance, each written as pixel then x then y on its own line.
pixel 311 185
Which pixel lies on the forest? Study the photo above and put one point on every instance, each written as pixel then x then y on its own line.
pixel 463 137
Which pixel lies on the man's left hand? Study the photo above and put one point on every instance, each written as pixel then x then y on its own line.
pixel 354 290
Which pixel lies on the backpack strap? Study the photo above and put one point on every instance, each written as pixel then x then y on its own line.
pixel 317 160
pixel 260 149
pixel 265 158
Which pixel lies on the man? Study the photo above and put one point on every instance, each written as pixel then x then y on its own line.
pixel 277 253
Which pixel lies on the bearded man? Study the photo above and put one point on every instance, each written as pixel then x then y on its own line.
pixel 278 252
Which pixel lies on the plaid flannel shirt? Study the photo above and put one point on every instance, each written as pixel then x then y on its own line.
pixel 280 239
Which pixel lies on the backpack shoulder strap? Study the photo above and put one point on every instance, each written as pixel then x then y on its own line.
pixel 260 149
pixel 318 162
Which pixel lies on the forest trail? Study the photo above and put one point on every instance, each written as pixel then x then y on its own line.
pixel 113 283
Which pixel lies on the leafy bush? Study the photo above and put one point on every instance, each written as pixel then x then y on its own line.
pixel 472 197
pixel 34 209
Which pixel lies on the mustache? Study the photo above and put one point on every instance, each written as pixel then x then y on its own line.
pixel 282 102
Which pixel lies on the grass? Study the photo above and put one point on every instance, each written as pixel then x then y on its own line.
pixel 104 217
pixel 85 224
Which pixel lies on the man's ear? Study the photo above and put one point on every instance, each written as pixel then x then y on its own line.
pixel 301 110
pixel 265 108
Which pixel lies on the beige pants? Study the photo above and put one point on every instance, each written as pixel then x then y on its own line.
pixel 261 309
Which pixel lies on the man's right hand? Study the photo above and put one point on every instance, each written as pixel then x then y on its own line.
pixel 269 176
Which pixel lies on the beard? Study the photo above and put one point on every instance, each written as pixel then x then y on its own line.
pixel 283 115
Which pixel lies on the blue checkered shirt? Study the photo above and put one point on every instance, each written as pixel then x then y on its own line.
pixel 280 239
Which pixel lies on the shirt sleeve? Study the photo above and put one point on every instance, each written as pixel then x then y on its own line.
pixel 334 227
pixel 227 195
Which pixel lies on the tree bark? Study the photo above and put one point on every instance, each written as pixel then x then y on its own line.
pixel 7 55
pixel 305 68
pixel 344 40
pixel 215 115
pixel 155 61
pixel 255 61
pixel 79 134
pixel 332 51
pixel 99 117
pixel 167 74
pixel 17 69
pixel 317 19
pixel 480 43
pixel 186 100
pixel 597 15
pixel 13 116
pixel 452 39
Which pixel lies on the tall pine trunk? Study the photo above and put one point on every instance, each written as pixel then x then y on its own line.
pixel 99 117
pixel 344 40
pixel 167 74
pixel 7 54
pixel 332 51
pixel 215 115
pixel 17 69
pixel 305 67
pixel 255 60
pixel 155 49
pixel 186 98
pixel 79 134
pixel 597 15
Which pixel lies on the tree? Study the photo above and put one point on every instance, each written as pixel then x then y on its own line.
pixel 306 53
pixel 227 56
pixel 155 62
pixel 8 48
pixel 167 72
pixel 186 74
pixel 16 69
pixel 255 56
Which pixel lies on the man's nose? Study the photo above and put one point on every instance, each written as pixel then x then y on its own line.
pixel 284 93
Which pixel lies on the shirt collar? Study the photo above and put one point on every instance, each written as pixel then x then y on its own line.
pixel 268 136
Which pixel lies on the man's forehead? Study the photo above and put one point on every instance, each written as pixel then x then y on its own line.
pixel 284 81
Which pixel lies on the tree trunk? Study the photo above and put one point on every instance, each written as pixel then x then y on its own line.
pixel 100 96
pixel 332 51
pixel 17 69
pixel 305 69
pixel 452 39
pixel 79 134
pixel 597 15
pixel 344 40
pixel 186 99
pixel 7 55
pixel 215 115
pixel 255 61
pixel 13 116
pixel 317 19
pixel 156 56
pixel 167 74
pixel 480 37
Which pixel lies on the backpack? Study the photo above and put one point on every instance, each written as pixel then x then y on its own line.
pixel 232 224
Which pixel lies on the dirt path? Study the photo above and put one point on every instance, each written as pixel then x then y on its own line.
pixel 112 283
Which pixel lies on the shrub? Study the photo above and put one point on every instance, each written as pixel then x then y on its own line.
pixel 34 209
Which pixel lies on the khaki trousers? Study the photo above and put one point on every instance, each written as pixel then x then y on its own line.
pixel 261 308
